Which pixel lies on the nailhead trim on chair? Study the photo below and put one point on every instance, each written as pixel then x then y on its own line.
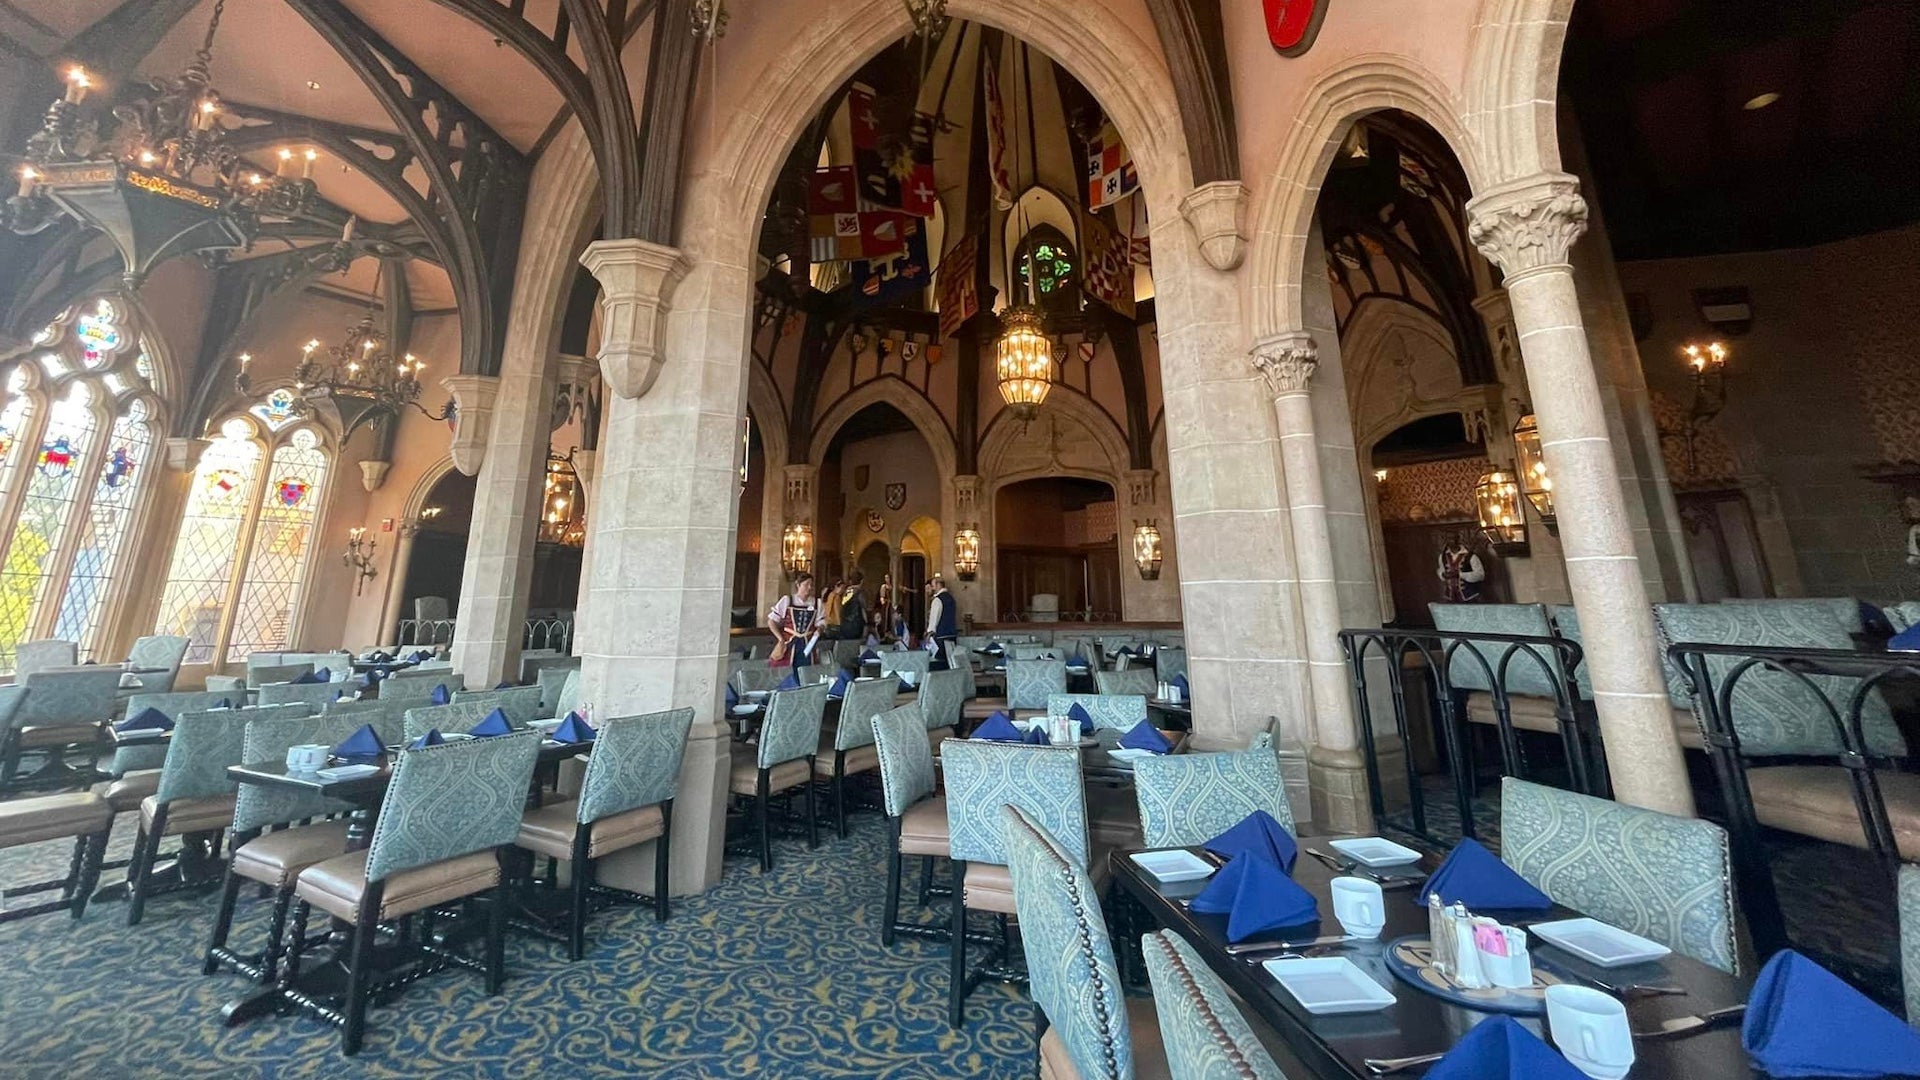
pixel 1207 1015
pixel 1086 951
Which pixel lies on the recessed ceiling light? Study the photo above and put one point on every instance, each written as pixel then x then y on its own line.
pixel 1761 101
pixel 311 85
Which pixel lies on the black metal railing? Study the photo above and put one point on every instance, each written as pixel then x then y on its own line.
pixel 1456 663
pixel 549 632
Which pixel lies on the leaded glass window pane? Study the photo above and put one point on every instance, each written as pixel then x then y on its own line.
pixel 288 502
pixel 104 529
pixel 208 546
pixel 53 482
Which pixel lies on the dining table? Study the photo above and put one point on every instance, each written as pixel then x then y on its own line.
pixel 1419 1023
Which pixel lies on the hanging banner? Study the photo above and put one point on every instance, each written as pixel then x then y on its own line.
pixel 833 221
pixel 1107 265
pixel 1110 173
pixel 1292 25
pixel 997 140
pixel 897 276
pixel 959 301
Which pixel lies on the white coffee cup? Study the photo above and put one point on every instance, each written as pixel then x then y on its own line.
pixel 307 757
pixel 1360 905
pixel 1590 1030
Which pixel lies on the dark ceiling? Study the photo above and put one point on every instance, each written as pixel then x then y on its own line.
pixel 871 422
pixel 1683 166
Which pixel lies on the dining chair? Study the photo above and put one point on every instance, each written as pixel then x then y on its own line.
pixel 136 768
pixel 388 718
pixel 43 655
pixel 914 662
pixel 418 689
pixel 1029 682
pixel 754 675
pixel 457 718
pixel 449 814
pixel 275 859
pixel 981 777
pixel 782 760
pixel 1034 652
pixel 82 815
pixel 1910 939
pixel 626 799
pixel 553 681
pixel 259 675
pixel 1188 799
pixel 64 709
pixel 1169 661
pixel 943 695
pixel 916 816
pixel 570 695
pixel 851 751
pixel 521 704
pixel 167 651
pixel 1109 712
pixel 1133 680
pixel 1087 1027
pixel 315 696
pixel 1666 878
pixel 1202 1030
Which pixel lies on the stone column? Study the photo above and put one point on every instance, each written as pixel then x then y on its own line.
pixel 491 620
pixel 1527 228
pixel 1540 576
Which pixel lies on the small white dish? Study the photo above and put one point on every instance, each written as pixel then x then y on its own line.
pixel 455 736
pixel 547 725
pixel 1330 986
pixel 756 695
pixel 347 772
pixel 745 710
pixel 1375 851
pixel 1130 753
pixel 1172 866
pixel 1599 943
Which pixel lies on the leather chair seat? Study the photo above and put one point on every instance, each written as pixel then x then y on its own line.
pixel 549 830
pixel 1531 712
pixel 745 779
pixel 858 760
pixel 276 858
pixel 923 828
pixel 1143 1029
pixel 1113 817
pixel 53 817
pixel 190 815
pixel 130 790
pixel 336 885
pixel 938 735
pixel 990 886
pixel 44 736
pixel 1817 801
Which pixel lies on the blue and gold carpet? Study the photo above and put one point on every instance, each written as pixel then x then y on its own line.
pixel 778 977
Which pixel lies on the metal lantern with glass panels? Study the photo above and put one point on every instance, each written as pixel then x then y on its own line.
pixel 1502 522
pixel 1146 550
pixel 966 553
pixel 796 549
pixel 563 515
pixel 1535 481
pixel 1024 360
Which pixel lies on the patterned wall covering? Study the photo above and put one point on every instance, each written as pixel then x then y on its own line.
pixel 1432 490
pixel 1714 462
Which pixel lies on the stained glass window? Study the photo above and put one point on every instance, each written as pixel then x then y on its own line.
pixel 46 512
pixel 129 450
pixel 208 546
pixel 270 593
pixel 1052 267
pixel 278 410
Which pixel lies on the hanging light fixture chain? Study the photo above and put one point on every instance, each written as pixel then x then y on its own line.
pixel 205 55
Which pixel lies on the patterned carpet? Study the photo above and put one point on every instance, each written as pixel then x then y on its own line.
pixel 778 977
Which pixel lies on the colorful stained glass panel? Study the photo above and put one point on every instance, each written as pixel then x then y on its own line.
pixel 276 566
pixel 207 547
pixel 103 535
pixel 46 512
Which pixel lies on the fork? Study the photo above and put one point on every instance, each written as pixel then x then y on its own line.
pixel 1383 1066
pixel 1357 870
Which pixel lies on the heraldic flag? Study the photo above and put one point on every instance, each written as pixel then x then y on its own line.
pixel 1110 173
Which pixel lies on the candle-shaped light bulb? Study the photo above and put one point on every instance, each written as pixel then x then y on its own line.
pixel 27 177
pixel 367 347
pixel 286 163
pixel 147 158
pixel 254 179
pixel 209 108
pixel 310 346
pixel 346 232
pixel 306 163
pixel 245 359
pixel 77 84
pixel 353 368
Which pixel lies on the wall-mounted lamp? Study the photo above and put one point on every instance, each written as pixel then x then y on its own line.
pixel 966 553
pixel 1535 481
pixel 1146 550
pixel 359 557
pixel 1380 476
pixel 796 549
pixel 1708 362
pixel 1497 499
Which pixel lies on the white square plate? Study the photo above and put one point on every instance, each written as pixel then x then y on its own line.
pixel 546 725
pixel 1329 986
pixel 1130 753
pixel 1375 851
pixel 1598 943
pixel 745 710
pixel 347 772
pixel 1172 866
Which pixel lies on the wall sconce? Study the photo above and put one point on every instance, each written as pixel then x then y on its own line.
pixel 1532 467
pixel 796 549
pixel 1497 499
pixel 1146 550
pixel 966 553
pixel 359 557
pixel 1379 476
pixel 746 446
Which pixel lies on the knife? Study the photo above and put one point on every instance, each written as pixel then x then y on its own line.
pixel 1682 1026
pixel 1270 946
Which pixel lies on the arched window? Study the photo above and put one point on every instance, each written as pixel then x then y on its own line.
pixel 1055 270
pixel 76 437
pixel 242 554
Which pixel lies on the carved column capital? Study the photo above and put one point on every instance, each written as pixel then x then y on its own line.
pixel 183 455
pixel 472 418
pixel 637 279
pixel 1287 361
pixel 1525 225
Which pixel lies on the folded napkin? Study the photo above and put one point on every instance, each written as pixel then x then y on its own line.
pixel 440 695
pixel 496 723
pixel 1255 896
pixel 146 720
pixel 872 640
pixel 1078 660
pixel 574 729
pixel 431 738
pixel 1498 1048
pixel 1144 736
pixel 839 687
pixel 338 694
pixel 1259 835
pixel 363 745
pixel 504 684
pixel 733 696
pixel 869 654
pixel 1474 876
pixel 1181 682
pixel 312 677
pixel 418 655
pixel 379 657
pixel 1079 713
pixel 1125 650
pixel 1907 640
pixel 370 678
pixel 998 728
pixel 791 682
pixel 224 704
pixel 1803 1021
pixel 1037 735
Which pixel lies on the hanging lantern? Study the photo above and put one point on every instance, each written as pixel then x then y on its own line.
pixel 1025 365
pixel 1532 467
pixel 796 549
pixel 1497 497
pixel 1146 550
pixel 563 517
pixel 966 553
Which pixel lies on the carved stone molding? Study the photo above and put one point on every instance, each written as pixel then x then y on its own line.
pixel 1217 214
pixel 373 474
pixel 573 389
pixel 1142 487
pixel 637 279
pixel 966 499
pixel 801 481
pixel 183 455
pixel 1287 361
pixel 1527 224
pixel 472 418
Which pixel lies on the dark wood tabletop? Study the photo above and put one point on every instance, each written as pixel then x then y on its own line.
pixel 1419 1022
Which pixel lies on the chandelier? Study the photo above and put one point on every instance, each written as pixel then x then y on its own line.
pixel 163 180
pixel 563 513
pixel 1025 360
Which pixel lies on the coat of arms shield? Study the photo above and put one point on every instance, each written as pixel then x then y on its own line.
pixel 896 496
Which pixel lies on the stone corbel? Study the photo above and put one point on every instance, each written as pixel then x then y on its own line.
pixel 573 393
pixel 472 418
pixel 586 464
pixel 183 455
pixel 373 474
pixel 1217 213
pixel 1142 488
pixel 637 279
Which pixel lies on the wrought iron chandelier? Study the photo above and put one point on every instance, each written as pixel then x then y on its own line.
pixel 164 180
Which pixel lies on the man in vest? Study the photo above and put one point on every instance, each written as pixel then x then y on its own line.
pixel 943 621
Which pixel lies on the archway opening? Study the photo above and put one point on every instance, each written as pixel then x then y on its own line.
pixel 1056 554
pixel 432 588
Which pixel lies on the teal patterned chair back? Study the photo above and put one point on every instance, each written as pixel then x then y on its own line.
pixel 159 651
pixel 1189 799
pixel 863 702
pixel 1903 615
pixel 127 759
pixel 982 777
pixel 961 660
pixel 792 730
pixel 1086 649
pixel 1910 939
pixel 417 691
pixel 204 744
pixel 906 761
pixel 80 695
pixel 457 718
pixel 521 704
pixel 1070 963
pixel 1776 714
pixel 1525 674
pixel 1133 680
pixel 453 799
pixel 895 661
pixel 635 763
pixel 259 675
pixel 43 655
pixel 1035 652
pixel 553 683
pixel 387 717
pixel 942 695
pixel 1030 681
pixel 1116 712
pixel 315 695
pixel 571 694
pixel 757 675
pixel 1168 661
pixel 11 700
pixel 266 741
pixel 1844 610
pixel 1205 1035
pixel 1662 877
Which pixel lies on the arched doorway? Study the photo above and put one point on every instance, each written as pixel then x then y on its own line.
pixel 439 554
pixel 1056 536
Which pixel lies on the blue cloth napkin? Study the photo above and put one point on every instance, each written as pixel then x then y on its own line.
pixel 503 684
pixel 1144 736
pixel 1255 896
pixel 309 678
pixel 998 728
pixel 338 694
pixel 370 678
pixel 496 723
pixel 1125 650
pixel 1907 640
pixel 1803 1021
pixel 1186 693
pixel 733 696
pixel 431 738
pixel 1474 876
pixel 1037 735
pixel 791 682
pixel 146 720
pixel 1259 835
pixel 1079 713
pixel 1498 1048
pixel 839 687
pixel 574 729
pixel 363 745
pixel 440 695
pixel 869 654
pixel 1078 660
pixel 418 655
pixel 379 657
